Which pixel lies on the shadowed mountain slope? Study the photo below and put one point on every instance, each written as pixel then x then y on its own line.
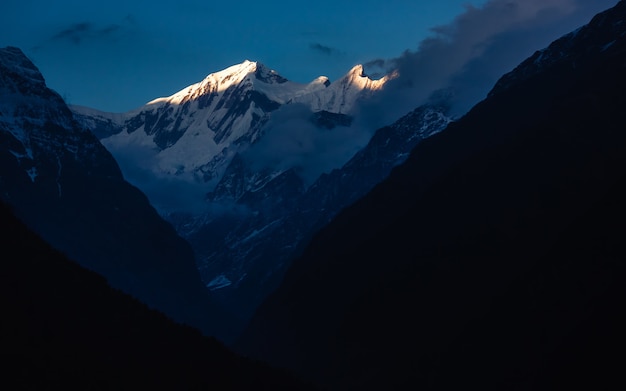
pixel 493 258
pixel 68 188
pixel 64 327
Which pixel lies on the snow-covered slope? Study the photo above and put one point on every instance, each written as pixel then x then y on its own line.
pixel 341 96
pixel 194 133
pixel 232 151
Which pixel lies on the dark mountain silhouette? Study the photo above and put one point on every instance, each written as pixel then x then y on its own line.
pixel 64 327
pixel 68 188
pixel 493 258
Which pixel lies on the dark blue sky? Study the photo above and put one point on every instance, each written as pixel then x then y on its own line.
pixel 120 54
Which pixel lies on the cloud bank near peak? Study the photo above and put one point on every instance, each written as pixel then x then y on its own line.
pixel 474 50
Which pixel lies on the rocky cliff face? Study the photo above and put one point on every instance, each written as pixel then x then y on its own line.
pixel 67 187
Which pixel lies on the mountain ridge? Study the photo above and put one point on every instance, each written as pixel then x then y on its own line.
pixel 193 134
pixel 216 140
pixel 492 257
pixel 65 327
pixel 65 185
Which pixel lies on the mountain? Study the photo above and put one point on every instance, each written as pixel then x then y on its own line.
pixel 225 156
pixel 64 327
pixel 493 258
pixel 243 255
pixel 198 130
pixel 67 187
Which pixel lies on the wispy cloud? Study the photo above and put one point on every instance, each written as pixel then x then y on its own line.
pixel 323 49
pixel 180 193
pixel 86 32
pixel 291 139
pixel 376 68
pixel 465 58
pixel 74 34
pixel 473 51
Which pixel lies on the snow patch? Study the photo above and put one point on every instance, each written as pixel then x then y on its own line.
pixel 256 232
pixel 608 45
pixel 219 282
pixel 32 173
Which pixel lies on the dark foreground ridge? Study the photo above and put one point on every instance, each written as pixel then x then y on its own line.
pixel 493 259
pixel 63 327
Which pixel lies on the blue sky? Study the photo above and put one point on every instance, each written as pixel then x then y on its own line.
pixel 117 55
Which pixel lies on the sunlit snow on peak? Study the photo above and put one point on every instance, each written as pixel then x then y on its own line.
pixel 214 83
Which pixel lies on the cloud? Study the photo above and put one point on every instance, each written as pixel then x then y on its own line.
pixel 376 68
pixel 87 32
pixel 376 63
pixel 110 29
pixel 75 33
pixel 326 50
pixel 471 53
pixel 166 193
pixel 465 58
pixel 292 140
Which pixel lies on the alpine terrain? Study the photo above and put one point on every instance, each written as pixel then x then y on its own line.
pixel 223 161
pixel 61 181
pixel 492 258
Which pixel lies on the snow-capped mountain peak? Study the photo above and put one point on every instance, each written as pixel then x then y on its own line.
pixel 197 130
pixel 342 95
pixel 26 103
pixel 249 74
pixel 229 141
pixel 214 83
pixel 357 76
